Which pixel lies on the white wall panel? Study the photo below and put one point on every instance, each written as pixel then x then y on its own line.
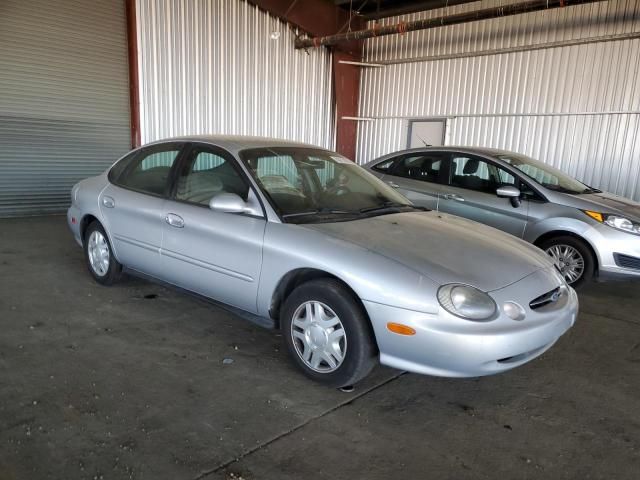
pixel 532 102
pixel 210 66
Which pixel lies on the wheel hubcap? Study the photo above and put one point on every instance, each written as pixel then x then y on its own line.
pixel 568 260
pixel 319 337
pixel 98 250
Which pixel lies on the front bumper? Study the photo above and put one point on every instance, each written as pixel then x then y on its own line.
pixel 447 346
pixel 607 242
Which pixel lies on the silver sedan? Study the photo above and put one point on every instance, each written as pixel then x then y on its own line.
pixel 299 238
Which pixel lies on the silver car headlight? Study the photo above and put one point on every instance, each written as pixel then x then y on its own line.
pixel 621 223
pixel 466 302
pixel 615 221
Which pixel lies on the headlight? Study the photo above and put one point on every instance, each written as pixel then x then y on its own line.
pixel 466 302
pixel 616 221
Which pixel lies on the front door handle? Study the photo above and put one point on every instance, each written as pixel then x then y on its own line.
pixel 174 220
pixel 108 202
pixel 393 184
pixel 453 196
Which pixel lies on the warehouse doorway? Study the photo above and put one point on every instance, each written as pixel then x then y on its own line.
pixel 426 132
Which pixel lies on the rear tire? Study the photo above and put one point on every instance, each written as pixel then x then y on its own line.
pixel 327 333
pixel 98 254
pixel 571 255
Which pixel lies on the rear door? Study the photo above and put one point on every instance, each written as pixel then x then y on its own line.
pixel 470 192
pixel 419 177
pixel 215 254
pixel 132 206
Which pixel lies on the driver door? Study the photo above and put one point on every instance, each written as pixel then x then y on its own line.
pixel 470 192
pixel 215 254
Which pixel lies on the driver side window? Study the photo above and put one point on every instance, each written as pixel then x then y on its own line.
pixel 473 173
pixel 208 174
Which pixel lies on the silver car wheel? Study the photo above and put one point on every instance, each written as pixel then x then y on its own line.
pixel 319 337
pixel 98 250
pixel 568 260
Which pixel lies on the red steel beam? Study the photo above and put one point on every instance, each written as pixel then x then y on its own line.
pixel 132 53
pixel 346 81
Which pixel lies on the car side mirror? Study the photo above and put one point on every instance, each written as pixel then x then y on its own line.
pixel 512 193
pixel 230 203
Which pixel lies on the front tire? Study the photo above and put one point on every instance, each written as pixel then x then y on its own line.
pixel 573 258
pixel 327 333
pixel 98 254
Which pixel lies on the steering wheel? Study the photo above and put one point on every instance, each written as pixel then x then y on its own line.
pixel 339 190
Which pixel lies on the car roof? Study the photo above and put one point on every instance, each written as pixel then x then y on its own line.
pixel 489 152
pixel 236 143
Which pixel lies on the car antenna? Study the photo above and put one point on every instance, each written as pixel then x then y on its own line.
pixel 423 141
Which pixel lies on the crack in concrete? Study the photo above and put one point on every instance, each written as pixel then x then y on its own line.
pixel 262 445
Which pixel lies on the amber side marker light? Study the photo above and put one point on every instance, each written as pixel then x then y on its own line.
pixel 595 215
pixel 400 329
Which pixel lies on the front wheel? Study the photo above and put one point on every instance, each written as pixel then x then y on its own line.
pixel 327 333
pixel 103 266
pixel 572 257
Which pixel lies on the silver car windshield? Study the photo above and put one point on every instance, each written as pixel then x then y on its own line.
pixel 545 175
pixel 307 185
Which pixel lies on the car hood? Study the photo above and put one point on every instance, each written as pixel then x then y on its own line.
pixel 609 203
pixel 444 248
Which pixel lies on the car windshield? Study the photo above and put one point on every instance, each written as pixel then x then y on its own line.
pixel 308 185
pixel 545 175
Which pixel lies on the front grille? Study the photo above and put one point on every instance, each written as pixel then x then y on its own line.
pixel 627 261
pixel 546 299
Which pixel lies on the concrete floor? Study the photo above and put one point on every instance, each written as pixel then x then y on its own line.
pixel 129 382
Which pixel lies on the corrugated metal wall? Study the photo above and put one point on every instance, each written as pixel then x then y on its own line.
pixel 550 104
pixel 64 98
pixel 210 66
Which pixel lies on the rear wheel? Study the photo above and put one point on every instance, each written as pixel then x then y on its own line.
pixel 103 266
pixel 327 333
pixel 572 257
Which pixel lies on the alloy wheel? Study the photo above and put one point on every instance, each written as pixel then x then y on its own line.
pixel 568 260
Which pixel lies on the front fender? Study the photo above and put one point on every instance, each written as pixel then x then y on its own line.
pixel 372 277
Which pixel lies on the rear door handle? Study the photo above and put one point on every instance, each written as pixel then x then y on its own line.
pixel 393 184
pixel 174 220
pixel 453 196
pixel 108 202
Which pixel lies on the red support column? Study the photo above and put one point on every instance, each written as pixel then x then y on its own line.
pixel 132 51
pixel 346 81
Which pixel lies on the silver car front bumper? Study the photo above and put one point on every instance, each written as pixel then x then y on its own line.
pixel 447 346
pixel 607 242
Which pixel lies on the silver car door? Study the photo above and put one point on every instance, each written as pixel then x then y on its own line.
pixel 212 253
pixel 418 177
pixel 132 207
pixel 471 193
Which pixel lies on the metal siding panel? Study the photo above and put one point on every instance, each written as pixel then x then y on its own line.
pixel 211 67
pixel 64 105
pixel 521 101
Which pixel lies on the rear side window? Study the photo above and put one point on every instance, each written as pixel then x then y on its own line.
pixel 149 171
pixel 423 167
pixel 121 166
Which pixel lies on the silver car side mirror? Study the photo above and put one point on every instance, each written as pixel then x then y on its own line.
pixel 231 203
pixel 510 192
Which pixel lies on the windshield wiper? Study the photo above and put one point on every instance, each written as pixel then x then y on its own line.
pixel 389 206
pixel 591 190
pixel 318 211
